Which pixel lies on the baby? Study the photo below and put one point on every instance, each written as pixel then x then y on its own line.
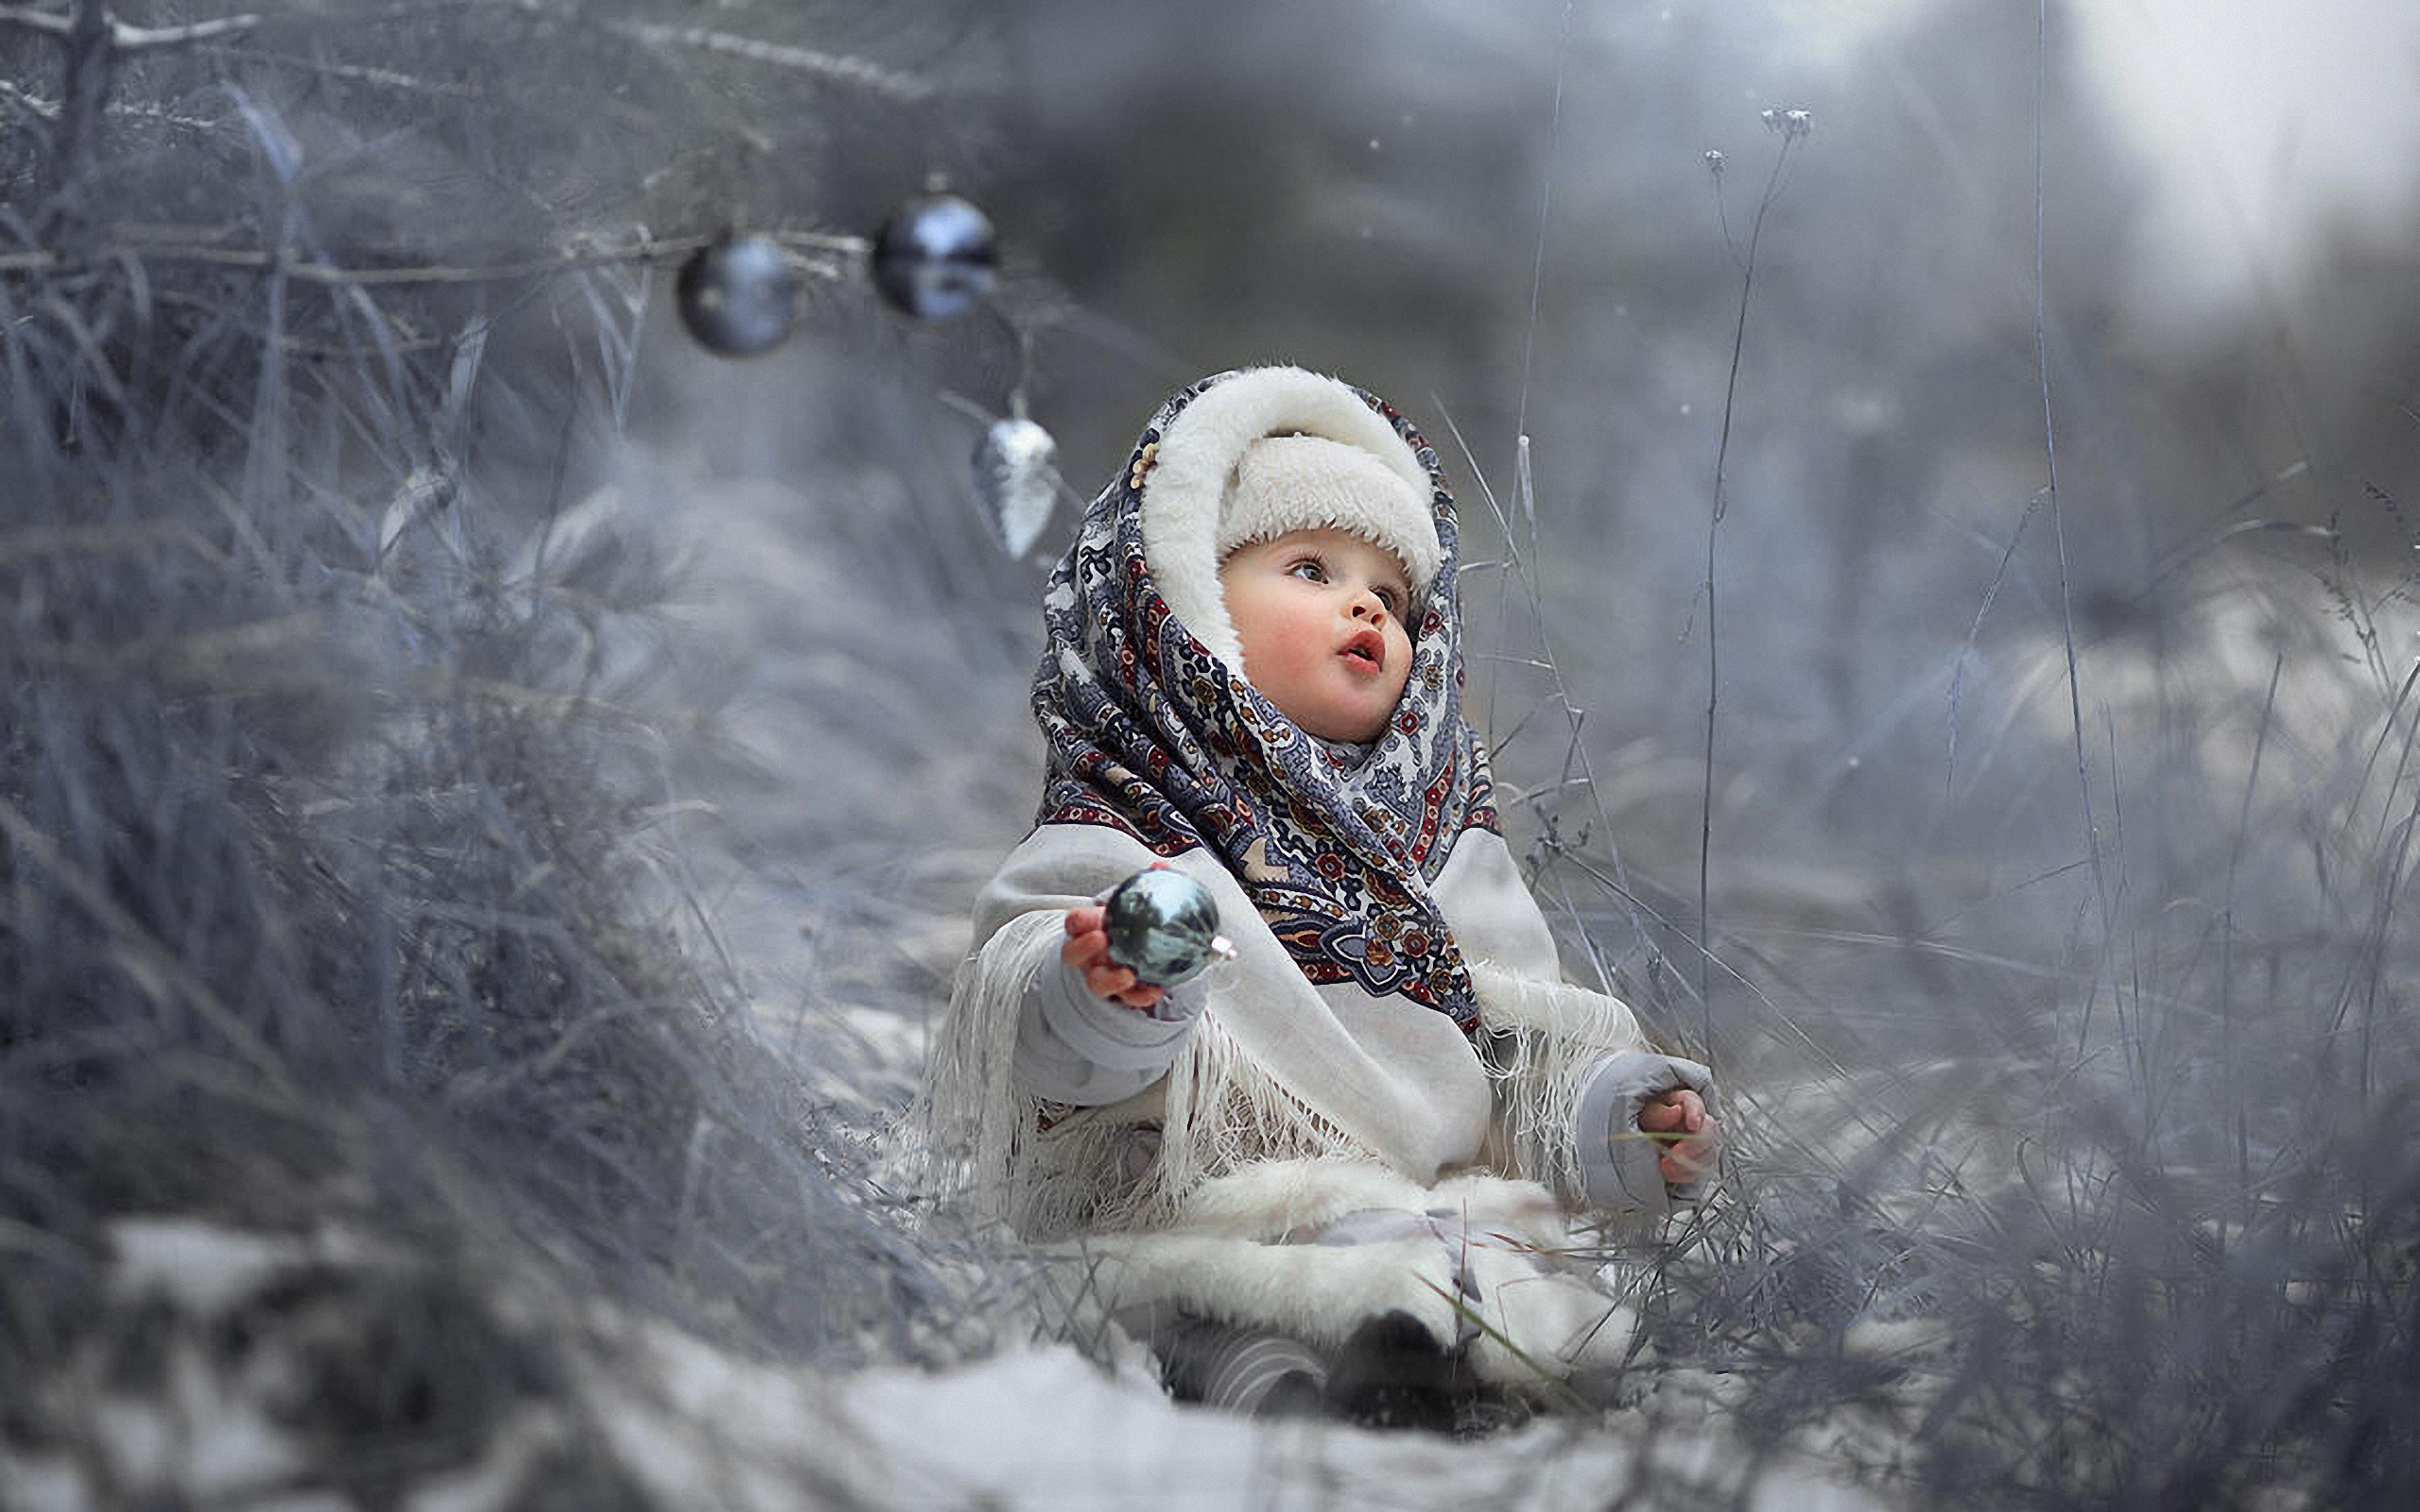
pixel 1378 1133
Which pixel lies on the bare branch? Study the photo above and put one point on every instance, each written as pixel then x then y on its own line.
pixel 48 109
pixel 129 38
pixel 58 23
pixel 52 22
pixel 832 251
pixel 134 39
pixel 847 70
pixel 357 73
pixel 838 67
pixel 85 90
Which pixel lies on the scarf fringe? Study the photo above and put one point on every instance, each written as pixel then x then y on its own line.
pixel 959 1139
pixel 1225 1112
pixel 1048 1170
pixel 1544 1040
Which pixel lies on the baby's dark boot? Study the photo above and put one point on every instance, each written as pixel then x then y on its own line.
pixel 1391 1373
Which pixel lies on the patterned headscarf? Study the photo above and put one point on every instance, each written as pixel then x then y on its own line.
pixel 1150 734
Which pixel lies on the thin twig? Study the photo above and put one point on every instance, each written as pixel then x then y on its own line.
pixel 1966 648
pixel 1714 523
pixel 2232 1093
pixel 1559 692
pixel 857 71
pixel 2050 450
pixel 356 73
pixel 48 109
pixel 291 265
pixel 1538 252
pixel 120 35
pixel 1548 1380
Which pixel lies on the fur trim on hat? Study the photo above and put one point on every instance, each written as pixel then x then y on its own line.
pixel 1285 483
pixel 1186 492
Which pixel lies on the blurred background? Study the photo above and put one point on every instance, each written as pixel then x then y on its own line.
pixel 491 790
pixel 1507 223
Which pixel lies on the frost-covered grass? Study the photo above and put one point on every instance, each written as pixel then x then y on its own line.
pixel 488 797
pixel 363 1052
pixel 2072 1078
pixel 2067 1167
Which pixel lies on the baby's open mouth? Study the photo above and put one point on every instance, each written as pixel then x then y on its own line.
pixel 1367 648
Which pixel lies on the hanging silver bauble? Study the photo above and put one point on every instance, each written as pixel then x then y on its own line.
pixel 935 258
pixel 1017 478
pixel 739 296
pixel 1163 927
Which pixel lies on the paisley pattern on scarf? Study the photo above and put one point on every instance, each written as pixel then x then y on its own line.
pixel 1149 733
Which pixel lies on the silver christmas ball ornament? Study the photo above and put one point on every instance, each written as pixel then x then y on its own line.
pixel 1163 927
pixel 1017 478
pixel 738 296
pixel 935 258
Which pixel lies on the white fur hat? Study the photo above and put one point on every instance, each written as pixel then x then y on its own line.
pixel 1299 482
pixel 1269 450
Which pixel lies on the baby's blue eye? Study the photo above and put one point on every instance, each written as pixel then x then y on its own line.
pixel 1309 571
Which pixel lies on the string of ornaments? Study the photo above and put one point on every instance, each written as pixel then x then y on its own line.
pixel 933 260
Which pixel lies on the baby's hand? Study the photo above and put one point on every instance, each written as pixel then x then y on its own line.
pixel 1087 950
pixel 1683 1112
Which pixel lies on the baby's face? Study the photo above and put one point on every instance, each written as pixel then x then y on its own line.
pixel 1320 614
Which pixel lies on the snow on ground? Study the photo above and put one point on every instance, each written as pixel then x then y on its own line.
pixel 654 1409
pixel 1043 1427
